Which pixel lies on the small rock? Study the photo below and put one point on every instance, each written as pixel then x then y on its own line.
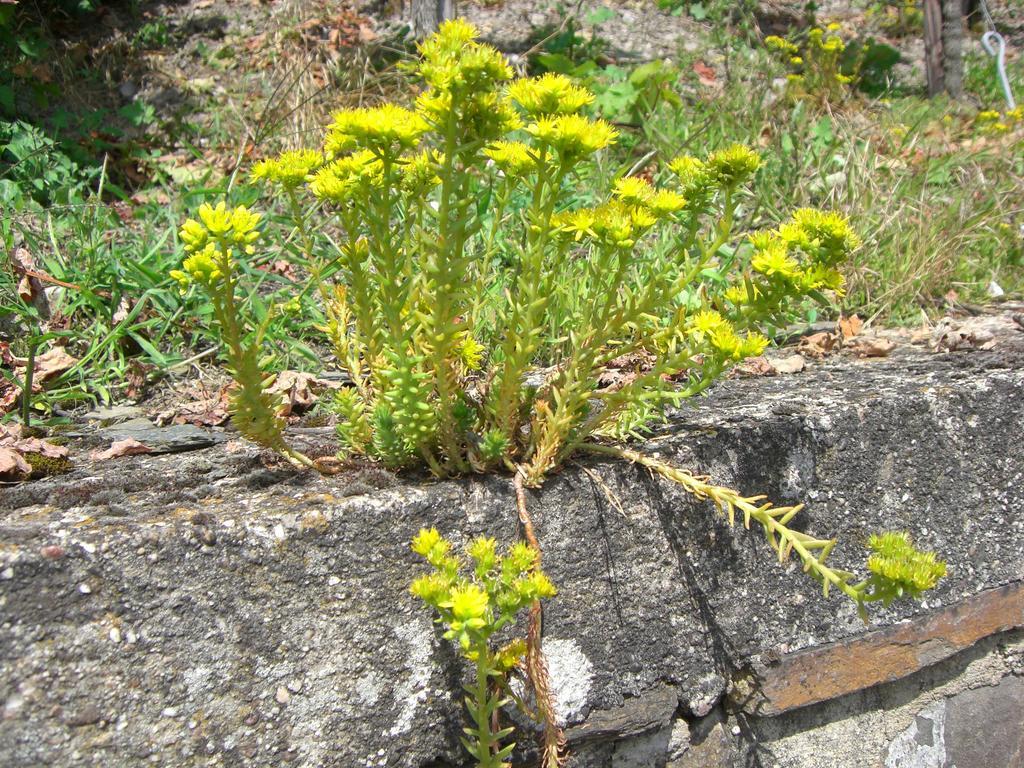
pixel 169 712
pixel 294 686
pixel 791 364
pixel 333 581
pixel 115 415
pixel 282 696
pixel 87 715
pixel 115 635
pixel 85 589
pixel 52 552
pixel 7 573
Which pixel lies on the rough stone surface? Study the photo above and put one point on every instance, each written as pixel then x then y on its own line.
pixel 211 609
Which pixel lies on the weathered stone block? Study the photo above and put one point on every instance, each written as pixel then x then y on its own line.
pixel 207 610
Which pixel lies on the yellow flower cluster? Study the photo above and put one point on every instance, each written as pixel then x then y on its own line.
pixel 210 242
pixel 993 123
pixel 826 235
pixel 638 192
pixel 901 567
pixel 513 158
pixel 613 223
pixel 721 335
pixel 289 169
pixel 452 60
pixel 549 94
pixel 823 239
pixel 387 129
pixel 573 136
pixel 733 165
pixel 776 43
pixel 419 172
pixel 344 179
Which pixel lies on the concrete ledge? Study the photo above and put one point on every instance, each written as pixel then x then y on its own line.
pixel 203 609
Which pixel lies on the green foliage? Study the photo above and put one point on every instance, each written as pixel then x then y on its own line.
pixel 474 601
pixel 439 367
pixel 816 64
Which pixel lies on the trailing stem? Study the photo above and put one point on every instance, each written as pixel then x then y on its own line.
pixel 553 748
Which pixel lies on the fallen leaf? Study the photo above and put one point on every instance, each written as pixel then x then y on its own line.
pixel 950 336
pixel 8 395
pixel 817 345
pixel 301 390
pixel 14 448
pixel 204 411
pixel 13 466
pixel 755 366
pixel 48 366
pixel 871 347
pixel 39 447
pixel 850 326
pixel 705 74
pixel 127 447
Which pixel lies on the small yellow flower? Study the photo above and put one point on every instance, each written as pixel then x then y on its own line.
pixel 708 321
pixel 216 220
pixel 386 129
pixel 733 165
pixel 775 260
pixel 289 169
pixel 347 178
pixel 633 190
pixel 549 94
pixel 513 158
pixel 470 352
pixel 574 136
pixel 469 605
pixel 665 202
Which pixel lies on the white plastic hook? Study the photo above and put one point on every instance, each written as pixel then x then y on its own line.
pixel 998 52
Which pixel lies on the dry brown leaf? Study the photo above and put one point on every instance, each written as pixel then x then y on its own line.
pixel 40 447
pixel 127 447
pixel 817 345
pixel 301 390
pixel 204 411
pixel 871 347
pixel 754 366
pixel 13 466
pixel 48 366
pixel 705 74
pixel 850 326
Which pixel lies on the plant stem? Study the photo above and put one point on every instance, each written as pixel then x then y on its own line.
pixel 26 390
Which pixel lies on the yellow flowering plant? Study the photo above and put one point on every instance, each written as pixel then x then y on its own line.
pixel 475 601
pixel 816 64
pixel 451 263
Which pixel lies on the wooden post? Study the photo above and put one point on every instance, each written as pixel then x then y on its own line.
pixel 426 15
pixel 933 47
pixel 953 47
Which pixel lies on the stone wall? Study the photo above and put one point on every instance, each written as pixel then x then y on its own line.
pixel 207 608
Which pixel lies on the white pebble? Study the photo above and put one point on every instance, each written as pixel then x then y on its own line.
pixel 85 589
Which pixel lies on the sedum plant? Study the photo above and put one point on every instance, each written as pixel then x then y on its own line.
pixel 815 64
pixel 474 602
pixel 452 264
